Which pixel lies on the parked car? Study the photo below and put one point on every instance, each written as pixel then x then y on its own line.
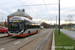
pixel 3 29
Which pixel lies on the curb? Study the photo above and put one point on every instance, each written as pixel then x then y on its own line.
pixel 2 36
pixel 53 42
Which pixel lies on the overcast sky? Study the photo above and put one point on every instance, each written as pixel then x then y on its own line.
pixel 38 12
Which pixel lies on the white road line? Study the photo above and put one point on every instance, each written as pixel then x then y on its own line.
pixel 17 42
pixel 26 38
pixel 2 48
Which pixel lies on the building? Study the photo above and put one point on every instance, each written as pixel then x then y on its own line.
pixel 19 13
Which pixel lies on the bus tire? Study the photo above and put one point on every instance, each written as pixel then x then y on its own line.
pixel 37 31
pixel 4 31
pixel 28 33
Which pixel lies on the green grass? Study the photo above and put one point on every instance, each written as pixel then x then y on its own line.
pixel 63 42
pixel 68 28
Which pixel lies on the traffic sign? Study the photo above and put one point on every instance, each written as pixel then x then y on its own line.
pixel 74 25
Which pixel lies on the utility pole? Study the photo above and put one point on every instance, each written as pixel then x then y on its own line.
pixel 59 18
pixel 56 22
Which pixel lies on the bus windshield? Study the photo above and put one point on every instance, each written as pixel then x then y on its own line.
pixel 15 26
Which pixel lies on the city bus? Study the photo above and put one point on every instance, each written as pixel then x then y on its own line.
pixel 21 26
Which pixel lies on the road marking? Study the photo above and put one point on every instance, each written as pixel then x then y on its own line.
pixel 2 48
pixel 26 38
pixel 17 42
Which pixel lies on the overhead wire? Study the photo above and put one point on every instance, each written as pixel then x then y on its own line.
pixel 40 4
pixel 46 8
pixel 36 4
pixel 23 4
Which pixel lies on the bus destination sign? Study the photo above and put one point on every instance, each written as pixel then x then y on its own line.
pixel 15 21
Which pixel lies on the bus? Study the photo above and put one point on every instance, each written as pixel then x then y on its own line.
pixel 21 26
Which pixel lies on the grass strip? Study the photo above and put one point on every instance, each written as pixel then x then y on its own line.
pixel 63 42
pixel 67 28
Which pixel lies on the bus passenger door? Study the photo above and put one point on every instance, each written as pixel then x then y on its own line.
pixel 25 27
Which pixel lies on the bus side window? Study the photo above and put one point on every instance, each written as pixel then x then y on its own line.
pixel 25 27
pixel 18 26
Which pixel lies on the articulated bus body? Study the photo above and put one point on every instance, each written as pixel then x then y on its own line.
pixel 21 26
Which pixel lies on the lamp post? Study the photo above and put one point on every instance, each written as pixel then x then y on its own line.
pixel 59 19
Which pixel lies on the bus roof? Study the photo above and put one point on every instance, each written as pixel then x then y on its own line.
pixel 22 18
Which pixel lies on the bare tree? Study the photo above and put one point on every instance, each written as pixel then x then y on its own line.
pixel 70 18
pixel 65 22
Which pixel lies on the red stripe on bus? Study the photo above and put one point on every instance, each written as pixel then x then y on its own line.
pixel 21 35
pixel 32 32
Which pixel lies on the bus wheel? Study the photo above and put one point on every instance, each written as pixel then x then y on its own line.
pixel 28 33
pixel 37 31
pixel 4 31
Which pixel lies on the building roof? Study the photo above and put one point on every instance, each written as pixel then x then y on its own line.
pixel 20 13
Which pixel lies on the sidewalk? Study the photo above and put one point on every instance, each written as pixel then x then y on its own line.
pixel 2 34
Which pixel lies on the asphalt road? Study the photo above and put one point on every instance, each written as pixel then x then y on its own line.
pixel 39 41
pixel 69 33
